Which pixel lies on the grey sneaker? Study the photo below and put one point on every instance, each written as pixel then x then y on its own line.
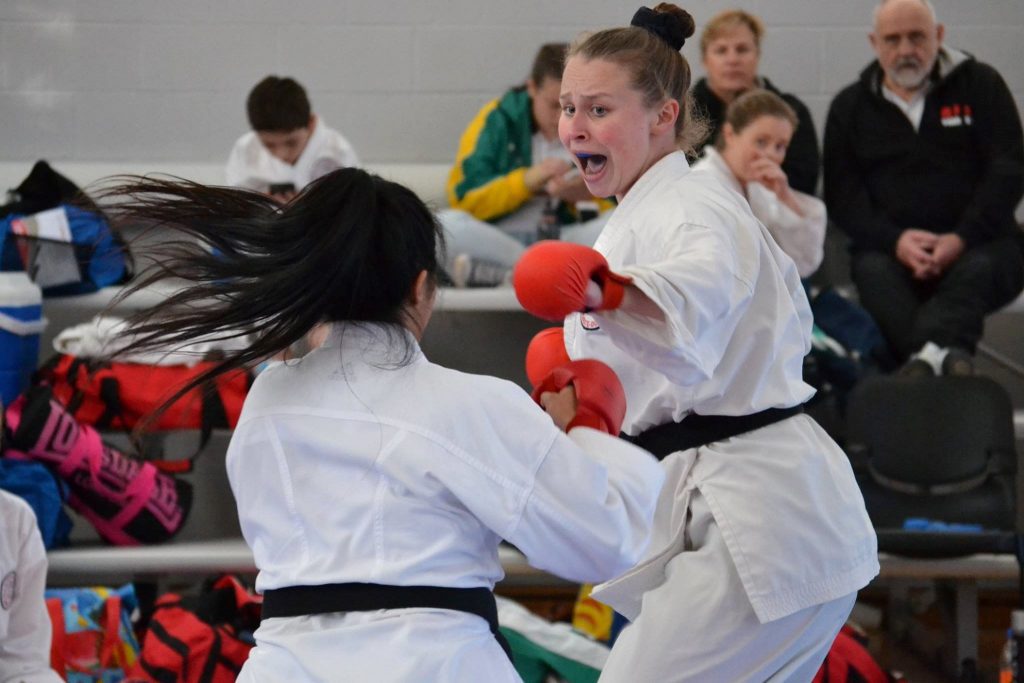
pixel 469 272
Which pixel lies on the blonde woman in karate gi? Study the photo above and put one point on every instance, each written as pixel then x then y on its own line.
pixel 761 540
pixel 373 486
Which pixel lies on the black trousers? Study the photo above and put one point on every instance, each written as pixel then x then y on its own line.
pixel 950 310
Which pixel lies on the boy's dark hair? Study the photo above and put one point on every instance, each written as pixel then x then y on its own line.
pixel 278 104
pixel 548 63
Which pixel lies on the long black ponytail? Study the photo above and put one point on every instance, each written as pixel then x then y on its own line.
pixel 348 248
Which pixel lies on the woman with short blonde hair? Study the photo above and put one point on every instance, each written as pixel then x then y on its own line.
pixel 730 48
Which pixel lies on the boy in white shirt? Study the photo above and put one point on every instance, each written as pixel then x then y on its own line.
pixel 288 146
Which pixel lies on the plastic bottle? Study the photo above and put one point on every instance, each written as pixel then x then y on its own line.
pixel 21 322
pixel 1017 627
pixel 1007 659
pixel 1011 664
pixel 549 228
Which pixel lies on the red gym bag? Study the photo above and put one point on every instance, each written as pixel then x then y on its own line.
pixel 112 395
pixel 203 638
pixel 848 661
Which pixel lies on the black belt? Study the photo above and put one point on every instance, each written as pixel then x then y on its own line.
pixel 698 430
pixel 297 601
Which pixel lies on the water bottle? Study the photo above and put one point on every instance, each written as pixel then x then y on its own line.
pixel 1006 659
pixel 1011 664
pixel 21 323
pixel 549 227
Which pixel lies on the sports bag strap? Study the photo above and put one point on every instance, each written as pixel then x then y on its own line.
pixel 55 608
pixel 111 630
pixel 110 394
pixel 73 372
pixel 138 491
pixel 212 415
pixel 179 647
pixel 209 672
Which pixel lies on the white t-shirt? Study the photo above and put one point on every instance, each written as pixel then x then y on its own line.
pixel 251 166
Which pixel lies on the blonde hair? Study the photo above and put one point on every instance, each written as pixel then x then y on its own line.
pixel 727 21
pixel 657 70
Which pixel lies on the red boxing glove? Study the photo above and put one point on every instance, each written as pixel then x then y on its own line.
pixel 600 399
pixel 545 353
pixel 551 279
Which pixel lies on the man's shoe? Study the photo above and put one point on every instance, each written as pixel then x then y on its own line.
pixel 958 363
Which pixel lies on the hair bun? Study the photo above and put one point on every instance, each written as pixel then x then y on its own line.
pixel 668 22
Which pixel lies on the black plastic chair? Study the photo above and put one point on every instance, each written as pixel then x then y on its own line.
pixel 941 449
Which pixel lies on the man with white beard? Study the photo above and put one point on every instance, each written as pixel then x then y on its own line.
pixel 924 167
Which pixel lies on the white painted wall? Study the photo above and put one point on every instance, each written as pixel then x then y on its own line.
pixel 111 80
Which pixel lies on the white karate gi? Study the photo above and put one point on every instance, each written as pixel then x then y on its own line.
pixel 802 237
pixel 25 630
pixel 346 468
pixel 251 166
pixel 777 507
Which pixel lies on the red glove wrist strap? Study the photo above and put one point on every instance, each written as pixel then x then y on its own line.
pixel 586 418
pixel 612 292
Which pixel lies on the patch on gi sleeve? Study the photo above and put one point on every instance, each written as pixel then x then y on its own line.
pixel 8 590
pixel 588 322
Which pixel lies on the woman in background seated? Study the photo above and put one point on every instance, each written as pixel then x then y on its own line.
pixel 511 174
pixel 731 49
pixel 748 158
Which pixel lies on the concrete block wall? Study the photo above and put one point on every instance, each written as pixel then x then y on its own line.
pixel 110 80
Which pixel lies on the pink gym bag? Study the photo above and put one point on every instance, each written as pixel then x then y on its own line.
pixel 129 501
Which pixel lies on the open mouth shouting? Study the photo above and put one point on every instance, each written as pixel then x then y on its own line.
pixel 591 164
